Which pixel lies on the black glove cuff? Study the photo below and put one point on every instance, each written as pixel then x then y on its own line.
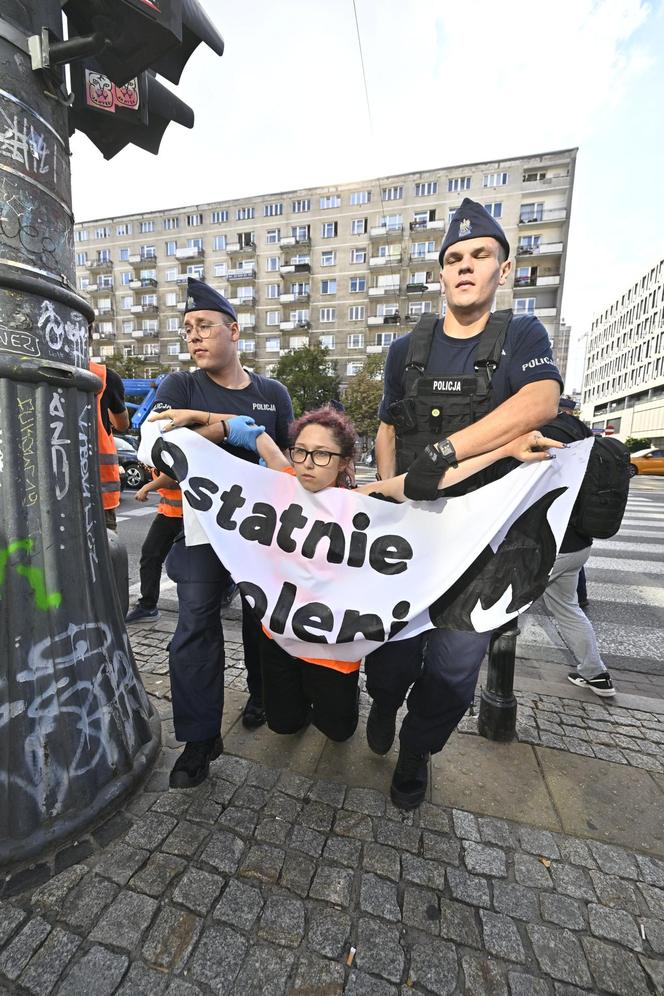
pixel 423 477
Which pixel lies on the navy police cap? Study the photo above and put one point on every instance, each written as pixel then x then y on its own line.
pixel 567 404
pixel 472 221
pixel 202 297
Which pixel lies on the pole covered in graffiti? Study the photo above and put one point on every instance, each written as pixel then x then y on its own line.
pixel 77 730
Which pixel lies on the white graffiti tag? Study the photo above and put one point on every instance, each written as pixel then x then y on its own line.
pixel 21 143
pixel 71 337
pixel 59 454
pixel 84 453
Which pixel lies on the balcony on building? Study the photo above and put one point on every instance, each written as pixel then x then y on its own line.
pixel 290 268
pixel 429 288
pixel 105 311
pixel 300 298
pixel 241 274
pixel 391 290
pixel 385 260
pixel 143 283
pixel 547 216
pixel 386 232
pixel 243 302
pixel 100 265
pixel 427 226
pixel 104 335
pixel 241 248
pixel 290 242
pixel 538 280
pixel 189 253
pixel 543 249
pixel 423 257
pixel 287 326
pixel 144 309
pixel 143 259
pixel 546 312
pixel 184 356
pixel 383 319
pixel 555 182
pixel 181 305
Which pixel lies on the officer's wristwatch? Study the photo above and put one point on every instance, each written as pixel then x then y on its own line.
pixel 446 451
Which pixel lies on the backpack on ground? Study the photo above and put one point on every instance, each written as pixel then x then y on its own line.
pixel 600 504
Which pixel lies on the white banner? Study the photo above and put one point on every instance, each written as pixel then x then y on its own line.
pixel 337 573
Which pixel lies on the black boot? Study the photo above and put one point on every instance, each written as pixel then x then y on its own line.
pixel 409 781
pixel 193 764
pixel 381 725
pixel 254 713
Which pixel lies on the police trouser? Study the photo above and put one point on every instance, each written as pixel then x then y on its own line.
pixel 442 667
pixel 196 656
pixel 160 538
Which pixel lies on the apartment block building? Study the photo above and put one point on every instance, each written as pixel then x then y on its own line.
pixel 351 266
pixel 623 382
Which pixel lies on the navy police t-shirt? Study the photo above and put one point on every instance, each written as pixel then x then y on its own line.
pixel 526 357
pixel 267 401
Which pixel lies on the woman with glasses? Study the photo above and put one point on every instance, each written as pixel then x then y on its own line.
pixel 325 692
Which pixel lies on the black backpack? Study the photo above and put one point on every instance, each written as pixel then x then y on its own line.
pixel 600 504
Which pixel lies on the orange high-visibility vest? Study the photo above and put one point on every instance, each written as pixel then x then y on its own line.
pixel 109 465
pixel 170 500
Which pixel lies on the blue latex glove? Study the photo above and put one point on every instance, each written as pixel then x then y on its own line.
pixel 243 432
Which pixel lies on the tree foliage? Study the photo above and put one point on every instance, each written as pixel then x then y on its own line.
pixel 134 367
pixel 306 374
pixel 362 398
pixel 634 444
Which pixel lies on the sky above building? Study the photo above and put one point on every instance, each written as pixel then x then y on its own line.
pixel 285 107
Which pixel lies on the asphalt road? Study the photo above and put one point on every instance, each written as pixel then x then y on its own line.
pixel 625 582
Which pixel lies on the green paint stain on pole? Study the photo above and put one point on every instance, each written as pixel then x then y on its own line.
pixel 44 599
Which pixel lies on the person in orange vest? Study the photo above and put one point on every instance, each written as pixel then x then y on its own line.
pixel 166 526
pixel 111 414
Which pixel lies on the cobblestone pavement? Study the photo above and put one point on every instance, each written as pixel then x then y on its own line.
pixel 262 881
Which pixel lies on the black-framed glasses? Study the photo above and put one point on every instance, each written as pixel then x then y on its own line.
pixel 321 458
pixel 204 330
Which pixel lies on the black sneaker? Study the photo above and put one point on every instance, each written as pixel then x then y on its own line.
pixel 193 764
pixel 254 713
pixel 139 612
pixel 381 726
pixel 409 781
pixel 601 684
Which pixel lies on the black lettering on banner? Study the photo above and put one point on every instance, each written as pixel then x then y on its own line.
pixel 356 623
pixel 198 497
pixel 169 459
pixel 335 534
pixel 281 611
pixel 255 596
pixel 400 611
pixel 260 526
pixel 358 541
pixel 385 549
pixel 314 615
pixel 291 518
pixel 231 500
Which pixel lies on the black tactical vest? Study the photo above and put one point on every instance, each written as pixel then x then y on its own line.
pixel 434 407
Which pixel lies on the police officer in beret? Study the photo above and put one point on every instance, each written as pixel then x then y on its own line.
pixel 454 387
pixel 198 399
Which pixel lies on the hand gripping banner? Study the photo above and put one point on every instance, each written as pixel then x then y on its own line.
pixel 336 574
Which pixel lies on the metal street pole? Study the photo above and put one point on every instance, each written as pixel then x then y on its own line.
pixel 77 730
pixel 497 714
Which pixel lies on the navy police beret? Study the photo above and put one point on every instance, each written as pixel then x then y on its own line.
pixel 472 221
pixel 567 404
pixel 202 297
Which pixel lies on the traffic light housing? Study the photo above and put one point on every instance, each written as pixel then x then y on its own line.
pixel 117 99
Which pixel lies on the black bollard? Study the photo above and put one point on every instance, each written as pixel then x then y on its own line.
pixel 497 716
pixel 77 730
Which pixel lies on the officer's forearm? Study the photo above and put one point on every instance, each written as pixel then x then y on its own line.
pixel 386 451
pixel 532 406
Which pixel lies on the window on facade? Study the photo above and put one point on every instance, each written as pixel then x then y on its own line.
pixel 457 183
pixel 220 269
pixel 171 299
pixel 358 226
pixel 272 317
pixel 524 305
pixel 357 285
pixel 328 286
pixel 299 316
pixel 360 197
pixel 149 299
pixel 532 212
pixel 392 222
pixel 327 341
pixel 193 220
pixel 272 291
pixel 353 367
pixel 300 206
pixel 171 274
pixel 495 179
pixel 272 236
pixel 219 242
pixel 103 232
pixel 81 259
pixel 420 308
pixel 245 213
pixel 531 242
pixel 356 313
pixel 358 255
pixel 123 229
pixel 126 278
pixel 329 229
pixel 328 258
pixel 170 224
pixel 127 326
pixel 272 344
pixel 103 255
pixel 124 254
pixel 126 302
pixel 328 314
pixel 247 345
pixel 273 210
pixel 106 281
pixel 272 264
pixel 420 249
pixel 495 209
pixel 104 304
pixel 330 201
pixel 148 252
pixel 171 248
pixel 150 325
pixel 355 340
pixel 105 328
pixel 219 216
pixel 392 193
pixel 172 324
pixel 145 226
pixel 173 348
pixel 385 338
pixel 195 244
pixel 426 188
pixel 195 270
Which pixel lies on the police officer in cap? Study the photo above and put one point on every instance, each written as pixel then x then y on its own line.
pixel 454 387
pixel 198 400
